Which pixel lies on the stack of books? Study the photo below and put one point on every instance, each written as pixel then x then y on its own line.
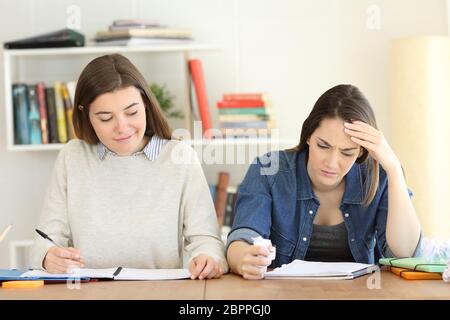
pixel 141 32
pixel 245 115
pixel 43 114
pixel 417 268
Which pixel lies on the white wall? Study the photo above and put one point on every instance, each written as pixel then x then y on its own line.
pixel 292 49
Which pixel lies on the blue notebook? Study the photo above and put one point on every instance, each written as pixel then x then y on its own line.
pixel 15 275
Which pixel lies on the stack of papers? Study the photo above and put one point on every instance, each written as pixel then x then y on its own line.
pixel 321 270
pixel 113 274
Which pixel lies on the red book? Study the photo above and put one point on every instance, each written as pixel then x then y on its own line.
pixel 196 69
pixel 243 96
pixel 240 104
pixel 40 89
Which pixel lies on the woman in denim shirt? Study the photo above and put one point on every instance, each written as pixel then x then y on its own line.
pixel 340 195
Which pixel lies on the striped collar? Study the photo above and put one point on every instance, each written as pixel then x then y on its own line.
pixel 151 150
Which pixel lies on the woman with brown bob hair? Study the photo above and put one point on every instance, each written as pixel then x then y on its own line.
pixel 339 196
pixel 118 195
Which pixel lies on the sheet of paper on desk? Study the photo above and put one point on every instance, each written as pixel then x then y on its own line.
pixel 124 274
pixel 89 273
pixel 152 274
pixel 321 270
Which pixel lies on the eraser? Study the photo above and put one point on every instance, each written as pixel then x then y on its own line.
pixel 23 284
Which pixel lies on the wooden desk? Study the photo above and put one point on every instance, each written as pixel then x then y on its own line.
pixel 233 287
pixel 392 287
pixel 117 290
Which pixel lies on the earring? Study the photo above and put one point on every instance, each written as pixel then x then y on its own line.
pixel 80 107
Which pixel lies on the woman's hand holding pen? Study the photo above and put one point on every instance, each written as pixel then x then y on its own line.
pixel 204 267
pixel 61 260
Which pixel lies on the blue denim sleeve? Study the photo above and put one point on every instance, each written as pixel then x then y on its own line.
pixel 253 206
pixel 380 227
pixel 241 234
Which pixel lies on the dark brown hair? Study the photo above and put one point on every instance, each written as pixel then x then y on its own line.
pixel 107 74
pixel 349 104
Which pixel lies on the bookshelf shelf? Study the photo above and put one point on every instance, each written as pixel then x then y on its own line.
pixel 244 141
pixel 108 49
pixel 13 58
pixel 225 142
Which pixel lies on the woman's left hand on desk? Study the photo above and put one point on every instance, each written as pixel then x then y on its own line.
pixel 204 267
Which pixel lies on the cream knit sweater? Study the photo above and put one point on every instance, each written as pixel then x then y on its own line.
pixel 130 211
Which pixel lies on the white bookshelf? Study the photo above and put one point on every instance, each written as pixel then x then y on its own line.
pixel 13 59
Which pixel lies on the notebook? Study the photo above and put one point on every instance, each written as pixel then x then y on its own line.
pixel 110 273
pixel 16 275
pixel 416 264
pixel 321 270
pixel 415 275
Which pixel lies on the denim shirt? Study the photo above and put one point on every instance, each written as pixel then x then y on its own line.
pixel 276 201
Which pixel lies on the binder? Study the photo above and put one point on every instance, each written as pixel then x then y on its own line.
pixel 56 39
pixel 415 264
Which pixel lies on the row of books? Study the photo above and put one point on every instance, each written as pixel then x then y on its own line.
pixel 241 114
pixel 43 114
pixel 224 197
pixel 135 32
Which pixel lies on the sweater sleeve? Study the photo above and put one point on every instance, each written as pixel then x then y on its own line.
pixel 200 225
pixel 53 220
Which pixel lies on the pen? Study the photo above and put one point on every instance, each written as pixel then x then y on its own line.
pixel 43 235
pixel 4 233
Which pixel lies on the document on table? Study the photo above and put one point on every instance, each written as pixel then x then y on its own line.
pixel 321 270
pixel 114 274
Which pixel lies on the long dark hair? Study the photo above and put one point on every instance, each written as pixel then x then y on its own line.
pixel 349 104
pixel 107 74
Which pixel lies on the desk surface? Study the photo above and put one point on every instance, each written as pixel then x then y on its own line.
pixel 392 287
pixel 233 287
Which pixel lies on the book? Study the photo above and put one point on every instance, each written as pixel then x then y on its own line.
pixel 221 196
pixel 135 22
pixel 212 190
pixel 242 117
pixel 416 264
pixel 20 111
pixel 198 79
pixel 244 96
pixel 246 125
pixel 109 273
pixel 145 33
pixel 321 270
pixel 141 41
pixel 243 111
pixel 241 104
pixel 55 39
pixel 60 113
pixel 245 133
pixel 230 206
pixel 68 107
pixel 71 87
pixel 51 113
pixel 18 275
pixel 34 116
pixel 40 90
pixel 415 275
pixel 123 24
